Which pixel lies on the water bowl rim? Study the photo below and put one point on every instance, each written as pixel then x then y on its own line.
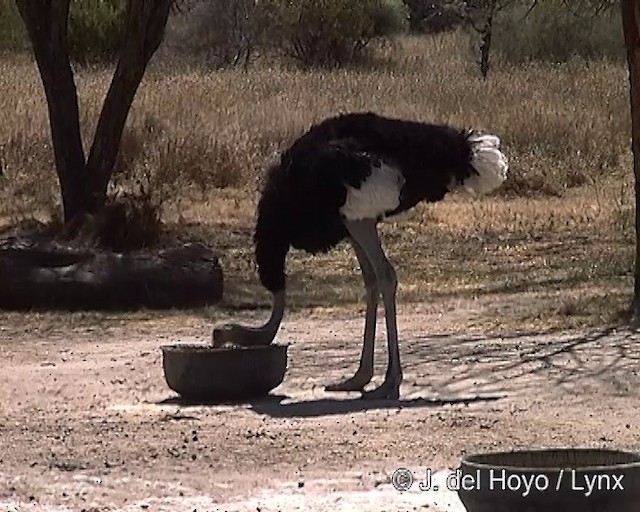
pixel 207 347
pixel 542 469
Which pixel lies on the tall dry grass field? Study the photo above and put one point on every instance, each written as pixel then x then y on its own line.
pixel 557 237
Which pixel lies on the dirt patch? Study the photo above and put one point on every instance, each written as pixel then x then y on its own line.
pixel 87 422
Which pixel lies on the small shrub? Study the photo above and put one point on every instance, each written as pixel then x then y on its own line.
pixel 158 166
pixel 95 29
pixel 224 33
pixel 433 17
pixel 553 32
pixel 623 215
pixel 389 17
pixel 128 223
pixel 330 33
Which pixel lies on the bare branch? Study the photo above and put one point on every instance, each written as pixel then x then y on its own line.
pixel 530 10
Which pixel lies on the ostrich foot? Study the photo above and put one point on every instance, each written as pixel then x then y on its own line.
pixel 389 389
pixel 355 383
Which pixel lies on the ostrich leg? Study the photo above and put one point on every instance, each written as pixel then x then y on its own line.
pixel 252 336
pixel 365 369
pixel 365 234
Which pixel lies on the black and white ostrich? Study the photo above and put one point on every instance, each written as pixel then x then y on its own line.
pixel 339 180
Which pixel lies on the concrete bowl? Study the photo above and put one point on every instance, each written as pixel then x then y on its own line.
pixel 203 372
pixel 563 480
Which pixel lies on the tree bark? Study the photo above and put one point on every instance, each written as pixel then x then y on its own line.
pixel 486 11
pixel 46 24
pixel 485 46
pixel 146 22
pixel 84 182
pixel 631 26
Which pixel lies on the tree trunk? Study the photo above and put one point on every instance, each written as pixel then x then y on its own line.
pixel 485 46
pixel 146 22
pixel 43 275
pixel 485 10
pixel 46 24
pixel 631 25
pixel 83 182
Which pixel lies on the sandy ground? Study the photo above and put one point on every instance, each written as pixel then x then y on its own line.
pixel 87 422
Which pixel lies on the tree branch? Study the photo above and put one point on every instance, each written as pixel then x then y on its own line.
pixel 530 10
pixel 146 21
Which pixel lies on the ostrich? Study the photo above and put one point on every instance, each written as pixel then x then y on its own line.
pixel 338 181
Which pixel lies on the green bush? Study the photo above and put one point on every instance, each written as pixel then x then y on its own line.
pixel 95 29
pixel 94 32
pixel 553 32
pixel 333 32
pixel 389 16
pixel 435 16
pixel 12 33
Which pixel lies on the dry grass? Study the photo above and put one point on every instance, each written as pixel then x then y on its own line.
pixel 558 233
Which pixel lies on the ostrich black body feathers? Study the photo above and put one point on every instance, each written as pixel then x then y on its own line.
pixel 303 195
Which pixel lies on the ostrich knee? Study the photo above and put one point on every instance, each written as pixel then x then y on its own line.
pixel 389 281
pixel 371 286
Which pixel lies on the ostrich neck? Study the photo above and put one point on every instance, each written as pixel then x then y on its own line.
pixel 265 334
pixel 277 312
pixel 247 336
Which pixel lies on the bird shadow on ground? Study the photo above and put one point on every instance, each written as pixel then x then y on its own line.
pixel 277 406
pixel 331 406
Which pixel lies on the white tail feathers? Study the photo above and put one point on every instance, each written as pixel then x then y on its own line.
pixel 489 162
